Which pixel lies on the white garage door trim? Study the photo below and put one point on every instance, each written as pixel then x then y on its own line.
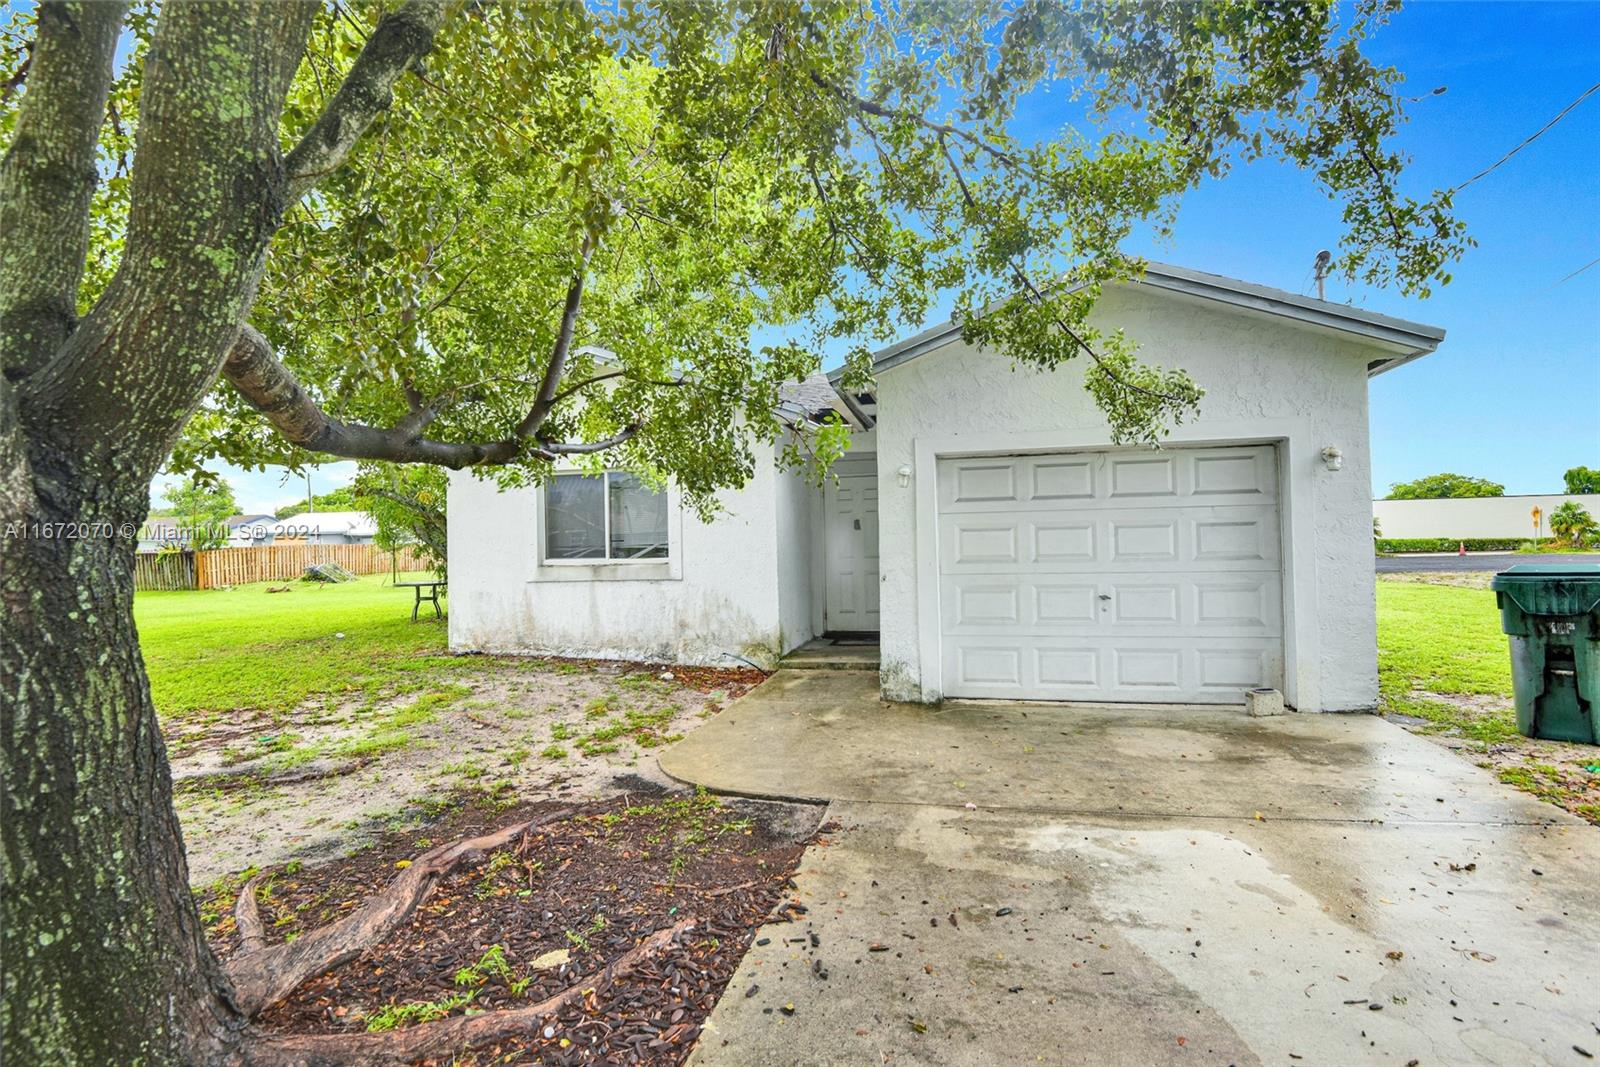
pixel 1116 575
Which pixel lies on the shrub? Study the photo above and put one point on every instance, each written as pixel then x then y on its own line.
pixel 1392 545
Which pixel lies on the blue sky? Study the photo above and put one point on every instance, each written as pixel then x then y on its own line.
pixel 1513 394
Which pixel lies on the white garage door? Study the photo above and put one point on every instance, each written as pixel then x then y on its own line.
pixel 1122 576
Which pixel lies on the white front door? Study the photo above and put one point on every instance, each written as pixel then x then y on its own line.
pixel 1120 576
pixel 850 519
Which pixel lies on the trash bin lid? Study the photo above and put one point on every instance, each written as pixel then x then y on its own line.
pixel 1552 570
pixel 1551 588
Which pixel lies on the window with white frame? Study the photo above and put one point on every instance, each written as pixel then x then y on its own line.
pixel 604 517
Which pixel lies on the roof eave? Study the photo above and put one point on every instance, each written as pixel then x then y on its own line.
pixel 1406 340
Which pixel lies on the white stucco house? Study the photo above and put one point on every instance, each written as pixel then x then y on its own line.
pixel 986 529
pixel 326 528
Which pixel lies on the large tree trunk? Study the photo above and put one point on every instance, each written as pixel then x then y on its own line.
pixel 105 961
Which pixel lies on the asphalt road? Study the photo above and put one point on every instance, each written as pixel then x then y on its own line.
pixel 1477 561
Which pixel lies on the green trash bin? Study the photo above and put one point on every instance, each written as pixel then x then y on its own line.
pixel 1551 612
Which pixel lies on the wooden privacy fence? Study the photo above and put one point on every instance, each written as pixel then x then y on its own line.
pixel 216 567
pixel 163 570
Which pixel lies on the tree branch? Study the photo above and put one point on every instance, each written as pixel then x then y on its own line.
pixel 552 449
pixel 402 37
pixel 1026 282
pixel 546 400
pixel 272 389
pixel 48 178
pixel 884 111
pixel 269 387
pixel 579 386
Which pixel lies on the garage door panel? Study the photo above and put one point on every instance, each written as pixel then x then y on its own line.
pixel 1111 576
pixel 991 605
pixel 1245 538
pixel 1063 541
pixel 1077 668
pixel 1242 472
pixel 1144 476
pixel 1150 670
pixel 1144 540
pixel 1060 479
pixel 984 481
pixel 1234 669
pixel 1091 481
pixel 983 542
pixel 998 666
pixel 1205 539
pixel 986 604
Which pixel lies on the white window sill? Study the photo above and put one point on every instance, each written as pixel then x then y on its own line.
pixel 611 570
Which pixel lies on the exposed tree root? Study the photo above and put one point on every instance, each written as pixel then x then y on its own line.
pixel 447 1036
pixel 262 976
pixel 247 917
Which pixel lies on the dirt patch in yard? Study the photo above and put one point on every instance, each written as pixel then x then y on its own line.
pixel 1463 579
pixel 1482 728
pixel 313 782
pixel 552 910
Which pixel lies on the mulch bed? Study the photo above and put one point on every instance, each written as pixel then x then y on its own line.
pixel 734 681
pixel 593 884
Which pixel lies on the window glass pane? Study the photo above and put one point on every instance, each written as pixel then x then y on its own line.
pixel 638 519
pixel 574 517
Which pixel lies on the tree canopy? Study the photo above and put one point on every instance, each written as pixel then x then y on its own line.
pixel 1434 486
pixel 681 177
pixel 340 499
pixel 1582 480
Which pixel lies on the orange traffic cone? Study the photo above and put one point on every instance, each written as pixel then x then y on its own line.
pixel 1462 551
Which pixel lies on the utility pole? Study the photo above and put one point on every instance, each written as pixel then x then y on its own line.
pixel 1324 261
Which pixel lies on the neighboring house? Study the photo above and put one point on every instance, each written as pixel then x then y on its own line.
pixel 158 534
pixel 985 526
pixel 326 528
pixel 1476 516
pixel 249 531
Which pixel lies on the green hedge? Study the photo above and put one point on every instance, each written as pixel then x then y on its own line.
pixel 1390 545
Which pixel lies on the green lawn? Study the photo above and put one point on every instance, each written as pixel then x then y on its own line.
pixel 1442 657
pixel 1444 639
pixel 212 651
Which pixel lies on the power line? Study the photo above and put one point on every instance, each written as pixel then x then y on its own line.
pixel 1577 272
pixel 1532 137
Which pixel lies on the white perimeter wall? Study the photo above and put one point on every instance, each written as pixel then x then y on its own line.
pixel 1487 516
pixel 716 602
pixel 1265 380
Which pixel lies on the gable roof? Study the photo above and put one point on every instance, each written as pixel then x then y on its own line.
pixel 349 523
pixel 1403 339
pixel 816 395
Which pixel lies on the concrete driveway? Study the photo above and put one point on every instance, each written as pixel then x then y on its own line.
pixel 1016 883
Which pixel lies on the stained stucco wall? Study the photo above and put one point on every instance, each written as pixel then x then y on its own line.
pixel 797 498
pixel 1305 388
pixel 716 602
pixel 1489 516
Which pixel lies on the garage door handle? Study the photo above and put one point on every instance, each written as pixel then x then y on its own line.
pixel 1105 596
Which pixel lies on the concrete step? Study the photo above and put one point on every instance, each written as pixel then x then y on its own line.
pixel 818 656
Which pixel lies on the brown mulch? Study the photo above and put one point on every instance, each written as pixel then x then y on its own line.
pixel 593 884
